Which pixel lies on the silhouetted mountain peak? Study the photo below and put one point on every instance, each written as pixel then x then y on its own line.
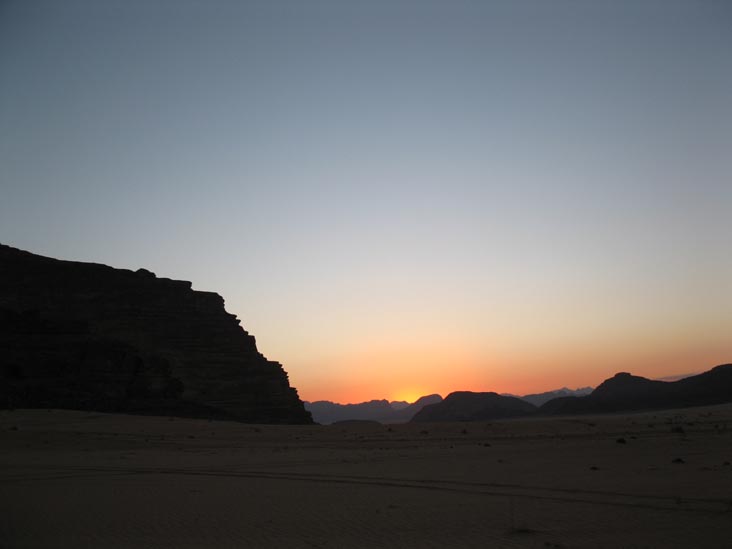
pixel 471 395
pixel 623 378
pixel 625 392
pixel 623 383
pixel 428 399
pixel 470 406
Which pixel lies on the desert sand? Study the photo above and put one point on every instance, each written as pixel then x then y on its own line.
pixel 81 479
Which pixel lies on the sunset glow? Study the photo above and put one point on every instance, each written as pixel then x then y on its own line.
pixel 509 376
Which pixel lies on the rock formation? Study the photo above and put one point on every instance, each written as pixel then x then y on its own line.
pixel 88 336
pixel 626 392
pixel 406 414
pixel 469 406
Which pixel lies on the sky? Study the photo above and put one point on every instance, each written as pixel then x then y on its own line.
pixel 396 198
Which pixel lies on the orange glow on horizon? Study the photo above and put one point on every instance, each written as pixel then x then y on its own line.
pixel 409 375
pixel 408 339
pixel 408 395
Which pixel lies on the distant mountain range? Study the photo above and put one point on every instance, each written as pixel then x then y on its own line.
pixel 468 406
pixel 622 393
pixel 626 392
pixel 326 412
pixel 540 398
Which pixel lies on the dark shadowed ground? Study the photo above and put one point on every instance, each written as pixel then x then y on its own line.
pixel 659 479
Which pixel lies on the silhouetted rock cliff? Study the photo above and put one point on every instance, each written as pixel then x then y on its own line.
pixel 468 406
pixel 626 392
pixel 88 336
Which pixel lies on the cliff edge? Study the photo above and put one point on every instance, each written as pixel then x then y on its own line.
pixel 88 336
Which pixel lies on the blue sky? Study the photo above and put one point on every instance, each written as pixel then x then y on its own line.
pixel 504 195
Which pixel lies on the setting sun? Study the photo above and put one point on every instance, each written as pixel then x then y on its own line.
pixel 410 395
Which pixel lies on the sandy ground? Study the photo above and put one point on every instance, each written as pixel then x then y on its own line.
pixel 77 479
